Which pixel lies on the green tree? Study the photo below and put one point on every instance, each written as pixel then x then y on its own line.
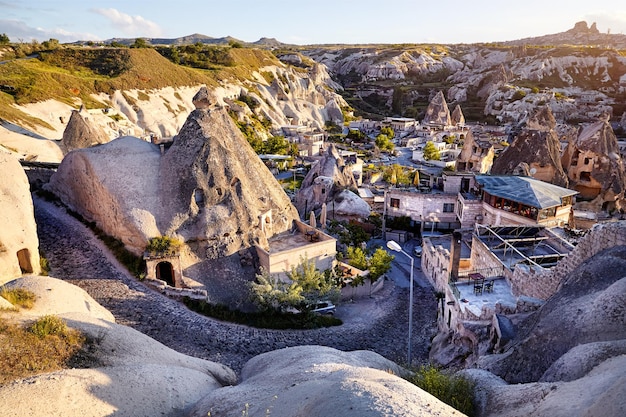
pixel 276 145
pixel 356 258
pixel 387 130
pixel 306 286
pixel 396 174
pixel 379 263
pixel 140 43
pixel 384 143
pixel 4 39
pixel 431 152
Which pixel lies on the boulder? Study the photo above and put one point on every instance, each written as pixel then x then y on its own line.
pixel 320 381
pixel 19 245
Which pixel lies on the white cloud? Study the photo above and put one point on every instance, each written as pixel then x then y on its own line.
pixel 130 25
pixel 19 31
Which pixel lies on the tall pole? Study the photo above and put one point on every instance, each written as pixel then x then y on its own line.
pixel 410 308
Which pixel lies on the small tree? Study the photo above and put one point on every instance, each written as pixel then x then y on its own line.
pixel 356 258
pixel 384 143
pixel 379 263
pixel 431 152
pixel 4 39
pixel 388 131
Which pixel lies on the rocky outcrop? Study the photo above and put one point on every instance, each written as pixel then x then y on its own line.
pixel 330 182
pixel 595 168
pixel 208 189
pixel 19 245
pixel 82 132
pixel 588 308
pixel 126 373
pixel 476 155
pixel 438 112
pixel 318 381
pixel 569 357
pixel 538 146
pixel 457 117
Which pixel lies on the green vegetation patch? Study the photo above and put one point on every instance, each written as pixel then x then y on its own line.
pixel 18 297
pixel 456 391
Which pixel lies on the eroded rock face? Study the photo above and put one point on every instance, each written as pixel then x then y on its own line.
pixel 208 189
pixel 457 117
pixel 81 132
pixel 590 307
pixel 438 111
pixel 216 190
pixel 19 245
pixel 475 156
pixel 594 166
pixel 329 181
pixel 539 147
pixel 319 381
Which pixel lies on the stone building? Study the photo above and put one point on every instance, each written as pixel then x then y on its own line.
pixel 476 155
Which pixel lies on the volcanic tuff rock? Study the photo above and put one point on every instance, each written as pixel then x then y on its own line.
pixel 594 166
pixel 457 117
pixel 330 181
pixel 438 111
pixel 209 188
pixel 318 381
pixel 19 245
pixel 82 132
pixel 538 146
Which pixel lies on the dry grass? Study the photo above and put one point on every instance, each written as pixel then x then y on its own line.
pixel 24 353
pixel 19 297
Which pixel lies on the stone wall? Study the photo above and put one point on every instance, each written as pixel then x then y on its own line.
pixel 542 283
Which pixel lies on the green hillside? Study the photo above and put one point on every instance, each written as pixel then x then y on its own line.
pixel 71 75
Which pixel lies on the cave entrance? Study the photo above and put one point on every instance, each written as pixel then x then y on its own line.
pixel 23 257
pixel 165 272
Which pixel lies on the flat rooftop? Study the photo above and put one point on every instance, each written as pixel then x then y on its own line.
pixel 473 302
pixel 446 242
pixel 295 239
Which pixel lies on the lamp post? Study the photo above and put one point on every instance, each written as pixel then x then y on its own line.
pixel 394 246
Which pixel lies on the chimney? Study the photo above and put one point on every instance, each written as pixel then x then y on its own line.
pixel 455 255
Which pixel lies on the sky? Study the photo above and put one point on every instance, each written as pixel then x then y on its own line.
pixel 305 22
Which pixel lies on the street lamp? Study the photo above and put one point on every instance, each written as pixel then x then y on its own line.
pixel 394 246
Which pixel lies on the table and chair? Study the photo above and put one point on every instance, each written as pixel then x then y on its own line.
pixel 481 283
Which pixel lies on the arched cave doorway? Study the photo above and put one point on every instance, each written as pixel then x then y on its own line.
pixel 165 272
pixel 23 257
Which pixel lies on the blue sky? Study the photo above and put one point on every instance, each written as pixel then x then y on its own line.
pixel 305 22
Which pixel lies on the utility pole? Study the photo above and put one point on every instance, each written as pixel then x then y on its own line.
pixel 385 214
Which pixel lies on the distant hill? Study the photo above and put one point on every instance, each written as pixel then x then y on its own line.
pixel 580 34
pixel 195 38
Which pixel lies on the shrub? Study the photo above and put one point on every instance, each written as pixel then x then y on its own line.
pixel 456 391
pixel 18 297
pixel 163 244
pixel 49 325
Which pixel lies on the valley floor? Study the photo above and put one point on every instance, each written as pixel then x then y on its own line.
pixel 379 324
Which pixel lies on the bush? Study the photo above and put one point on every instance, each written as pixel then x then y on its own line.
pixel 49 325
pixel 456 391
pixel 163 244
pixel 18 297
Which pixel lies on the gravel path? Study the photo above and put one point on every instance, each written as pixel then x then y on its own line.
pixel 379 324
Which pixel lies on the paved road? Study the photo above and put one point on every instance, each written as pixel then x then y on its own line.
pixel 378 324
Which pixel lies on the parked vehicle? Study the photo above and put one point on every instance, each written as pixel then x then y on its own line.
pixel 417 251
pixel 324 307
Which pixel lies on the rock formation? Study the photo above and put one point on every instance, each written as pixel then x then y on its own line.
pixel 128 373
pixel 538 146
pixel 81 132
pixel 438 112
pixel 209 189
pixel 317 381
pixel 19 245
pixel 595 168
pixel 570 354
pixel 457 117
pixel 476 155
pixel 330 181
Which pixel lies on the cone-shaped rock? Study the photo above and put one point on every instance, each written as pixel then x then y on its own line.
pixel 594 165
pixel 81 132
pixel 538 146
pixel 438 112
pixel 457 116
pixel 216 190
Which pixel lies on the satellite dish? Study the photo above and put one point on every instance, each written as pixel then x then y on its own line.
pixel 533 171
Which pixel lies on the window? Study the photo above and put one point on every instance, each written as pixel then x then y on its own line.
pixel 448 207
pixel 587 160
pixel 395 203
